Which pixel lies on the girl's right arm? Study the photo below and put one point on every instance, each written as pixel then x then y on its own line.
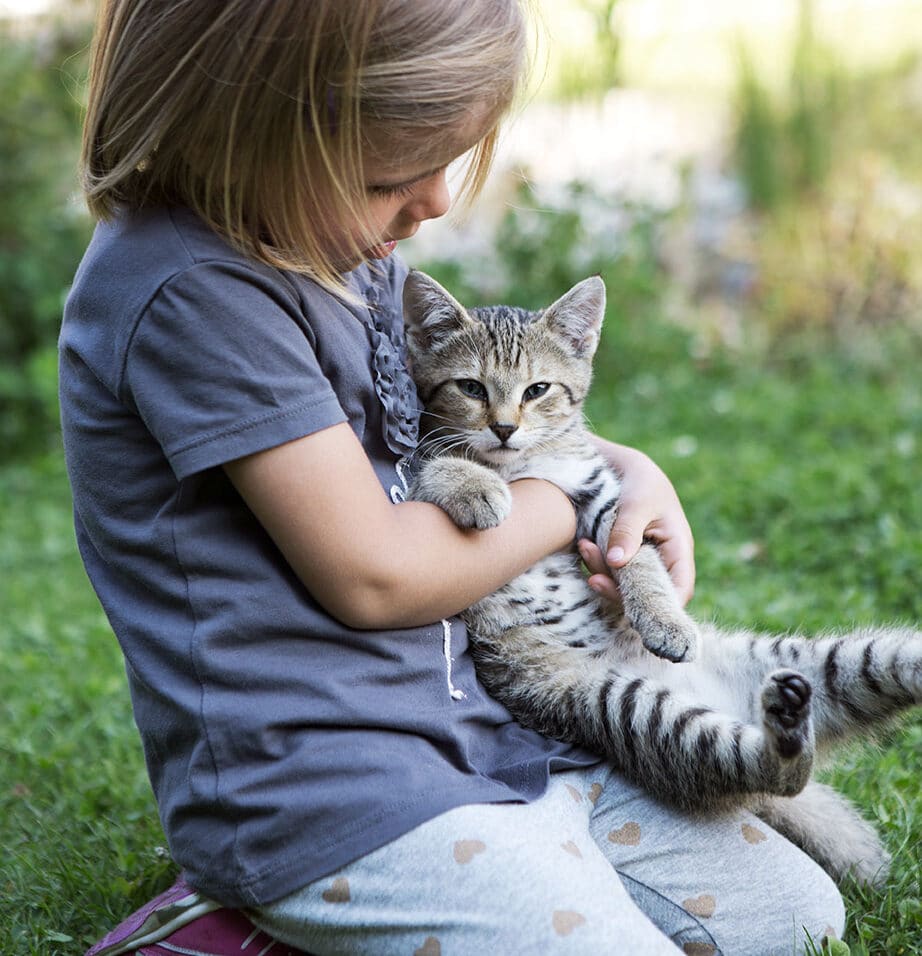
pixel 373 564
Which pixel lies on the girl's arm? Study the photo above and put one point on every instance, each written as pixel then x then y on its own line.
pixel 373 564
pixel 649 508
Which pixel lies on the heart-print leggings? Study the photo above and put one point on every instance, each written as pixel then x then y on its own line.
pixel 594 866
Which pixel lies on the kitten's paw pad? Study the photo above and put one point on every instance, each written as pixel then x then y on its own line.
pixel 471 495
pixel 786 704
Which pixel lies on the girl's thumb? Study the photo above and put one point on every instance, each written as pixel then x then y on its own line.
pixel 623 543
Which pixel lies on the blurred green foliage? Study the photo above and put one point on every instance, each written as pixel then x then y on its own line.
pixel 596 67
pixel 831 163
pixel 784 143
pixel 544 246
pixel 42 229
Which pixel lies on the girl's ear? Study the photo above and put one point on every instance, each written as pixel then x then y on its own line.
pixel 576 317
pixel 429 312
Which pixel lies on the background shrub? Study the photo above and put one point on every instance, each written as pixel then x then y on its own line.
pixel 43 230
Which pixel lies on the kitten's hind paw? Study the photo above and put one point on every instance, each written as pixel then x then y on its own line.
pixel 471 495
pixel 786 717
pixel 786 707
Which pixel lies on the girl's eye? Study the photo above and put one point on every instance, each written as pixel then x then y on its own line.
pixel 390 190
pixel 403 189
pixel 472 388
pixel 535 391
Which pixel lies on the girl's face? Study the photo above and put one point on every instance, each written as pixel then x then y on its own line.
pixel 399 200
pixel 399 195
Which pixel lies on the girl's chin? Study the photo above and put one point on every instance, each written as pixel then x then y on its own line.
pixel 382 250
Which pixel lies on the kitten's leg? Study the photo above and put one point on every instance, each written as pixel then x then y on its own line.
pixel 647 593
pixel 828 828
pixel 859 679
pixel 651 606
pixel 473 496
pixel 682 752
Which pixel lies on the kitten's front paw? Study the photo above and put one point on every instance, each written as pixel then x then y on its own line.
pixel 674 639
pixel 471 495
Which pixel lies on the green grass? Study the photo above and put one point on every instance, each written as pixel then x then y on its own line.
pixel 78 827
pixel 800 474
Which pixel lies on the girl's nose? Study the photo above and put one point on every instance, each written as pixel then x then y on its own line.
pixel 431 198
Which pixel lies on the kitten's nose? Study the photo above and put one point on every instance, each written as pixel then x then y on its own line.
pixel 503 432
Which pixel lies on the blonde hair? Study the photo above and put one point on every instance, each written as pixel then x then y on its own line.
pixel 260 114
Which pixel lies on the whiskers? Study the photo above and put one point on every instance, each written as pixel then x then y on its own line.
pixel 544 439
pixel 443 440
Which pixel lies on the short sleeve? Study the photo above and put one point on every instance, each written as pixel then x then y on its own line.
pixel 222 364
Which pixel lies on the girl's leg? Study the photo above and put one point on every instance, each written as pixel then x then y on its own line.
pixel 501 878
pixel 747 889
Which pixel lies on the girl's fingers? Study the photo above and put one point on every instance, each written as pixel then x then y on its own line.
pixel 677 550
pixel 677 553
pixel 600 579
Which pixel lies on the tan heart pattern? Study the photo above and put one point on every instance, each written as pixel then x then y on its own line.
pixel 466 850
pixel 338 892
pixel 577 796
pixel 595 791
pixel 432 947
pixel 702 906
pixel 565 921
pixel 572 849
pixel 628 835
pixel 699 949
pixel 753 834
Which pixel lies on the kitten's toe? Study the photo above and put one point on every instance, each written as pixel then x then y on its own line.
pixel 786 708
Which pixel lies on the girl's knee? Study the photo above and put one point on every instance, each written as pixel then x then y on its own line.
pixel 820 909
pixel 800 904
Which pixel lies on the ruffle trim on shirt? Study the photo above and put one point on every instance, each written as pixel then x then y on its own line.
pixel 396 390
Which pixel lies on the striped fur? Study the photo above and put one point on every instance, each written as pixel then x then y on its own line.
pixel 702 719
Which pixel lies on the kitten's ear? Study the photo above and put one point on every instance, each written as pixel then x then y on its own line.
pixel 429 312
pixel 577 316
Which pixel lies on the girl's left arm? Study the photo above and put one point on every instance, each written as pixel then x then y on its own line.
pixel 650 508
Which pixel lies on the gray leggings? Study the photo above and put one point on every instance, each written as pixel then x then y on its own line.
pixel 594 866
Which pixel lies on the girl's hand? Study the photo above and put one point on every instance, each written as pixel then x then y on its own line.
pixel 650 508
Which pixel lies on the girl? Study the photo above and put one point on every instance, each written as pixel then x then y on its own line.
pixel 238 424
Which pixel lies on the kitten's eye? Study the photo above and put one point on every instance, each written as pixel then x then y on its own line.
pixel 472 388
pixel 535 391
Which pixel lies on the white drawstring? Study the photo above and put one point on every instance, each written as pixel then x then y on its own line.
pixel 446 650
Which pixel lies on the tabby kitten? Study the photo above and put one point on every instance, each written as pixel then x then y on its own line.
pixel 700 718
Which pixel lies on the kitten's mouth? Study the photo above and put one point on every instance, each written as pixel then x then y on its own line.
pixel 500 451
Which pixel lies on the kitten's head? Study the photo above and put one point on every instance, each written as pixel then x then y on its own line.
pixel 500 381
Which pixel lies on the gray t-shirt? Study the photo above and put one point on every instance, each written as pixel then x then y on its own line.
pixel 280 743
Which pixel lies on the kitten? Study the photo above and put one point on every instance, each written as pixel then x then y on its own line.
pixel 702 719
